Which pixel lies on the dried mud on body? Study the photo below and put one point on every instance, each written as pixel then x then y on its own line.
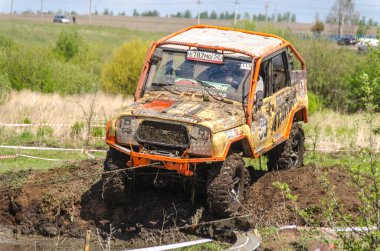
pixel 68 201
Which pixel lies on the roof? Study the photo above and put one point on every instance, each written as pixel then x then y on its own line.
pixel 254 44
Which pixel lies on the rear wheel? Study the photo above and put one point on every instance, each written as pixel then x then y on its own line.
pixel 227 183
pixel 288 154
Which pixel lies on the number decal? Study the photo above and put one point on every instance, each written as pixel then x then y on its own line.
pixel 205 56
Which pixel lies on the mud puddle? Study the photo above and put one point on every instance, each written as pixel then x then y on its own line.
pixel 149 217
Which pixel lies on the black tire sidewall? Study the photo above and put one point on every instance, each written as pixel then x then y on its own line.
pixel 220 183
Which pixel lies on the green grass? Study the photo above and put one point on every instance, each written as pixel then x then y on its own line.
pixel 46 34
pixel 214 245
pixel 22 163
pixel 44 137
pixel 32 61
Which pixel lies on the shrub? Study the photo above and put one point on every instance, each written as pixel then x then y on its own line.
pixel 26 136
pixel 245 25
pixel 326 77
pixel 71 79
pixel 76 129
pixel 68 44
pixel 27 120
pixel 29 68
pixel 368 71
pixel 314 103
pixel 35 68
pixel 121 73
pixel 97 132
pixel 44 131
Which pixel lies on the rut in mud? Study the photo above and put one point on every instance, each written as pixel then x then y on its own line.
pixel 151 216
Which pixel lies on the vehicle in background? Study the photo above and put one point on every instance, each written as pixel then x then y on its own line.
pixel 364 43
pixel 61 19
pixel 347 41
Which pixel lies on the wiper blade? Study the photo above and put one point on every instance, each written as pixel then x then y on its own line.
pixel 161 84
pixel 205 84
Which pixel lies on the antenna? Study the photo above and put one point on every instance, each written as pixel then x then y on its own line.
pixel 42 8
pixel 266 12
pixel 236 4
pixel 90 11
pixel 198 14
pixel 11 7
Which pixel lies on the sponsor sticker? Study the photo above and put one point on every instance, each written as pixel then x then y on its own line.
pixel 302 88
pixel 205 56
pixel 263 128
pixel 232 133
pixel 246 66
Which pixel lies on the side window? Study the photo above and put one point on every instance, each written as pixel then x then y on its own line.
pixel 275 74
pixel 279 74
pixel 266 75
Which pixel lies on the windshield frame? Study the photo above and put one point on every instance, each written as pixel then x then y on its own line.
pixel 229 57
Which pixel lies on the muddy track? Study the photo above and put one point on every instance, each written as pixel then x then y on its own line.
pixel 150 216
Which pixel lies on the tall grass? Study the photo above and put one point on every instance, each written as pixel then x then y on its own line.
pixel 54 108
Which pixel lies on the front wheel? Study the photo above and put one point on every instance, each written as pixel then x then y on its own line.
pixel 114 182
pixel 227 183
pixel 288 154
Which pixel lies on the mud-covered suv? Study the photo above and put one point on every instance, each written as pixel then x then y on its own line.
pixel 207 98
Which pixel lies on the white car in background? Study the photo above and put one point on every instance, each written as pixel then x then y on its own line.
pixel 364 43
pixel 61 19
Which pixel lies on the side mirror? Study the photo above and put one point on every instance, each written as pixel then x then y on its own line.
pixel 157 55
pixel 259 98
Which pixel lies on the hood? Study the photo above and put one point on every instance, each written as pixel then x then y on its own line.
pixel 214 114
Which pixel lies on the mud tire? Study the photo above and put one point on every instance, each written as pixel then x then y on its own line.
pixel 290 153
pixel 114 184
pixel 227 184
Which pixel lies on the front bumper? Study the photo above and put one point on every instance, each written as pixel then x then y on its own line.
pixel 180 165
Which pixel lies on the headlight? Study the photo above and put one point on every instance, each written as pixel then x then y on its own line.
pixel 126 130
pixel 200 143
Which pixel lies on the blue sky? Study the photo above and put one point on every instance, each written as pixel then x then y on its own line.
pixel 305 10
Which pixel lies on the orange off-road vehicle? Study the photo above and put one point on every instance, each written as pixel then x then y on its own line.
pixel 207 98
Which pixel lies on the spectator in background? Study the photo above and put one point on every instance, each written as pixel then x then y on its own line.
pixel 74 20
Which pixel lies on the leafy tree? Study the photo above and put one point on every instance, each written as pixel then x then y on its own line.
pixel 150 13
pixel 187 14
pixel 106 12
pixel 362 28
pixel 293 18
pixel 178 14
pixel 342 12
pixel 318 27
pixel 246 16
pixel 203 15
pixel 135 13
pixel 213 15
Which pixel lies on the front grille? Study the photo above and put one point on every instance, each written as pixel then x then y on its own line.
pixel 163 134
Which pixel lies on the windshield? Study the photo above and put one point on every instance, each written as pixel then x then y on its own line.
pixel 220 77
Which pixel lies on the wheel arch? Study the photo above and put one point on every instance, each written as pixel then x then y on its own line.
pixel 239 146
pixel 297 115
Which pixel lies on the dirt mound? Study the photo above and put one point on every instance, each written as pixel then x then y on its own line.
pixel 61 203
pixel 271 207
